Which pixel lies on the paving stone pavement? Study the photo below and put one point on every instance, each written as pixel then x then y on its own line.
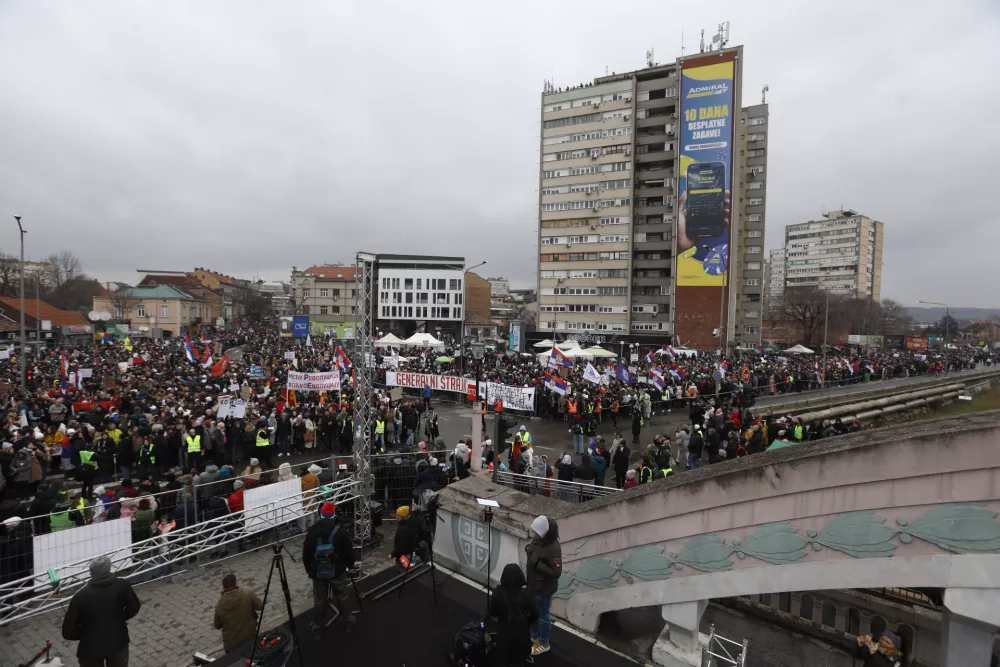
pixel 177 613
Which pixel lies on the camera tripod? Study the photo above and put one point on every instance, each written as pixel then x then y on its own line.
pixel 277 563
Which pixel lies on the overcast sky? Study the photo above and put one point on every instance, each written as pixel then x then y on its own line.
pixel 249 137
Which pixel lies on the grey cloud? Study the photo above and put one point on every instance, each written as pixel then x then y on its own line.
pixel 251 137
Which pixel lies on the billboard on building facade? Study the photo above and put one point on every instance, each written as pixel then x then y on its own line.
pixel 709 104
pixel 916 344
pixel 300 326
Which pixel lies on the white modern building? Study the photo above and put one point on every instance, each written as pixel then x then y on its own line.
pixel 420 293
pixel 774 281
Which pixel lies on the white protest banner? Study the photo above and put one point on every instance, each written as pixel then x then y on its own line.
pixel 450 383
pixel 390 362
pixel 231 407
pixel 329 381
pixel 4 354
pixel 290 355
pixel 591 375
pixel 123 367
pixel 514 398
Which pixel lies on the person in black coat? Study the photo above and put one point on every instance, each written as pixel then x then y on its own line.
pixel 886 652
pixel 98 617
pixel 620 460
pixel 324 589
pixel 516 610
pixel 695 447
pixel 636 424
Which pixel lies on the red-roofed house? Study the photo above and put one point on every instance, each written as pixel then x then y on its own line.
pixel 66 325
pixel 326 294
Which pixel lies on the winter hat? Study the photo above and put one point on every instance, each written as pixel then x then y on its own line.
pixel 403 512
pixel 100 491
pixel 422 446
pixel 540 526
pixel 238 484
pixel 432 462
pixel 462 450
pixel 567 460
pixel 254 462
pixel 327 510
pixel 315 469
pixel 894 638
pixel 100 565
pixel 630 474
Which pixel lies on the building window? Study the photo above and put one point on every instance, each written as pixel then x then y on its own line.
pixel 755 233
pixel 141 310
pixel 806 608
pixel 324 293
pixel 756 201
pixel 830 614
pixel 335 310
pixel 753 266
pixel 336 294
pixel 760 121
pixel 877 626
pixel 305 310
pixel 753 281
pixel 756 217
pixel 853 621
pixel 305 292
pixel 756 185
pixel 454 284
pixel 164 310
pixel 751 314
pixel 754 249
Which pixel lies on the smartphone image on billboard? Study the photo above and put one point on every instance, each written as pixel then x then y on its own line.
pixel 706 200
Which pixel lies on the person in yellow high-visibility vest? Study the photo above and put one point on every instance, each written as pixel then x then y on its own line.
pixel 193 442
pixel 263 448
pixel 380 432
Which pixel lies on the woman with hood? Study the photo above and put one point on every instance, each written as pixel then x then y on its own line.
pixel 620 460
pixel 515 609
pixel 284 472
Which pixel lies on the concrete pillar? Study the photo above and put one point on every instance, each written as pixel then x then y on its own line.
pixel 680 644
pixel 865 626
pixel 817 618
pixel 796 608
pixel 969 622
pixel 842 618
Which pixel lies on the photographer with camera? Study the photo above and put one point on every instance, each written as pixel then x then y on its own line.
pixel 412 535
pixel 327 555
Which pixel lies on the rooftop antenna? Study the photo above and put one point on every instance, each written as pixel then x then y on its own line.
pixel 702 40
pixel 649 57
pixel 682 43
pixel 763 94
pixel 721 38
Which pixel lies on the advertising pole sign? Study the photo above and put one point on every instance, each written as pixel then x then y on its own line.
pixel 709 106
pixel 300 326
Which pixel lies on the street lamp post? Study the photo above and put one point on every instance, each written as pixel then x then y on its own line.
pixel 478 352
pixel 947 327
pixel 826 329
pixel 24 343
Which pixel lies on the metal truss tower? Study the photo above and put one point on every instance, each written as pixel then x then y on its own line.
pixel 364 389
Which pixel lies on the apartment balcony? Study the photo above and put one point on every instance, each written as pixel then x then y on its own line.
pixel 655 155
pixel 653 192
pixel 655 264
pixel 657 122
pixel 650 282
pixel 651 246
pixel 659 173
pixel 657 103
pixel 659 209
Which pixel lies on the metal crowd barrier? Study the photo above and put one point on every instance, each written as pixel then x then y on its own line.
pixel 395 478
pixel 573 492
pixel 156 557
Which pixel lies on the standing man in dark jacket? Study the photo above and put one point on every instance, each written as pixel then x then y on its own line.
pixel 695 446
pixel 620 460
pixel 97 617
pixel 544 567
pixel 329 594
pixel 516 610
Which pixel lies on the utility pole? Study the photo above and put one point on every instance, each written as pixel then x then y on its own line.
pixel 24 344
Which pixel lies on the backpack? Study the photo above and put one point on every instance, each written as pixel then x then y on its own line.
pixel 325 558
pixel 470 646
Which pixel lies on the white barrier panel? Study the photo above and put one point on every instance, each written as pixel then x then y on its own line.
pixel 57 550
pixel 269 506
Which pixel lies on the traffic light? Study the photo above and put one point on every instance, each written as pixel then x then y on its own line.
pixel 504 430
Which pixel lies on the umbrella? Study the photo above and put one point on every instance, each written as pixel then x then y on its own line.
pixel 444 360
pixel 799 349
pixel 780 444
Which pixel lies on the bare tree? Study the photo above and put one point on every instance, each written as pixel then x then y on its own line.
pixel 65 270
pixel 251 305
pixel 122 303
pixel 892 318
pixel 10 267
pixel 806 306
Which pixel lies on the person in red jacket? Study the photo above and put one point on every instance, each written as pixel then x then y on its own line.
pixel 235 501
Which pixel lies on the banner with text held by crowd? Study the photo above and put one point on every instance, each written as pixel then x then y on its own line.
pixel 514 398
pixel 329 381
pixel 231 407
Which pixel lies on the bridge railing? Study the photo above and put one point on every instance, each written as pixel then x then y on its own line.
pixel 573 492
pixel 156 557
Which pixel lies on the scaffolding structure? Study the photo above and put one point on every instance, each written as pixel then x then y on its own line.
pixel 364 390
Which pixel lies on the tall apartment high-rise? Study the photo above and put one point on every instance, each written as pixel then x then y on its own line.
pixel 774 283
pixel 841 253
pixel 627 161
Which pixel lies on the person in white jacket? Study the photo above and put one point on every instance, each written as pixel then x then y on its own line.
pixel 681 437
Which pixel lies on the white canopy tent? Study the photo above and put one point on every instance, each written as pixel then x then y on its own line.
pixel 389 340
pixel 423 340
pixel 568 345
pixel 799 349
pixel 598 351
pixel 544 343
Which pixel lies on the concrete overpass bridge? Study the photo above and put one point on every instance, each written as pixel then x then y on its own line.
pixel 912 506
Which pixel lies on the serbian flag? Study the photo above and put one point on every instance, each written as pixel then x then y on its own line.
pixel 207 362
pixel 679 372
pixel 425 355
pixel 137 360
pixel 343 361
pixel 556 384
pixel 869 367
pixel 206 340
pixel 669 351
pixel 650 358
pixel 189 349
pixel 653 370
pixel 64 371
pixel 108 338
pixel 657 382
pixel 819 374
pixel 560 358
pixel 207 357
pixel 221 367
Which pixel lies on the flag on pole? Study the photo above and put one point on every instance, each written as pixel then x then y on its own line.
pixel 560 358
pixel 188 349
pixel 556 384
pixel 343 361
pixel 309 340
pixel 425 355
pixel 64 371
pixel 679 372
pixel 669 351
pixel 221 367
pixel 650 358
pixel 207 362
pixel 591 375
pixel 622 373
pixel 657 382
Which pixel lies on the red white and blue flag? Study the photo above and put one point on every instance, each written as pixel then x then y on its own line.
pixel 64 371
pixel 650 358
pixel 678 371
pixel 556 384
pixel 425 355
pixel 670 351
pixel 819 373
pixel 657 382
pixel 559 358
pixel 343 361
pixel 189 349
